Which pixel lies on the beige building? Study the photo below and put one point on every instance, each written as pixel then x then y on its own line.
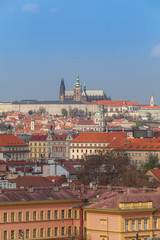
pixel 139 149
pixel 89 143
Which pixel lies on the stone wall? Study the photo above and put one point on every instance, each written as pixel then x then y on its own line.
pixel 50 108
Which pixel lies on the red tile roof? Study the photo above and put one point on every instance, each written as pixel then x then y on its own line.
pixel 11 140
pixel 155 172
pixel 98 137
pixel 36 181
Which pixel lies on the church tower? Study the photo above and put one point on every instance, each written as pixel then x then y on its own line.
pixel 62 91
pixel 152 102
pixel 77 95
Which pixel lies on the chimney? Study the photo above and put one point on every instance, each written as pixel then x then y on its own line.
pixel 109 188
pixel 72 186
pixel 144 189
pixel 120 194
pixel 158 189
pixel 30 189
pixel 94 187
pixel 82 188
pixel 56 188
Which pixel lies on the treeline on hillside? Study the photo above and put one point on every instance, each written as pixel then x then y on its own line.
pixel 113 168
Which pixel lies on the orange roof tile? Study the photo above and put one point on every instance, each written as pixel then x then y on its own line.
pixel 10 140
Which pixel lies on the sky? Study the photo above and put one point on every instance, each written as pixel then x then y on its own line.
pixel 113 45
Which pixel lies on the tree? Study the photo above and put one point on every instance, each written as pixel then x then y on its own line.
pixel 152 162
pixel 77 113
pixel 149 116
pixel 41 111
pixel 30 112
pixel 64 112
pixel 104 168
pixel 113 168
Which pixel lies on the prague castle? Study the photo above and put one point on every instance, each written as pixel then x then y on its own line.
pixel 80 95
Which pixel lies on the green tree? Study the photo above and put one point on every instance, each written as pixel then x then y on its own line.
pixel 149 116
pixel 152 162
pixel 64 112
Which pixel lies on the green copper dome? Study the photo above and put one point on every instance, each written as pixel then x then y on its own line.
pixel 77 84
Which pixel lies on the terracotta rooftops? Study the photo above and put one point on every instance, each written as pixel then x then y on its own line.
pixel 36 181
pixel 38 138
pixel 11 140
pixel 38 194
pixel 143 144
pixel 114 200
pixel 44 137
pixel 85 122
pixel 99 137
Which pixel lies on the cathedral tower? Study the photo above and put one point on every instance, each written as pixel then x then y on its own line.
pixel 62 91
pixel 77 95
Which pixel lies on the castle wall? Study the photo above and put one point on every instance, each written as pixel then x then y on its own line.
pixel 50 108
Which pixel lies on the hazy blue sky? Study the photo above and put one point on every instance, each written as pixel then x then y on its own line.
pixel 112 44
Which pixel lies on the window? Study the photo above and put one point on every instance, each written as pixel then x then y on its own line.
pixel 133 225
pixel 49 232
pixel 21 234
pixel 75 230
pixel 132 154
pixel 139 154
pixel 62 231
pixel 139 224
pixel 27 233
pixel 49 214
pixel 34 233
pixel 41 215
pixel 34 216
pixel 145 224
pixel 69 213
pixel 12 234
pixel 41 232
pixel 12 217
pixel 69 231
pixel 56 231
pixel 55 214
pixel 126 225
pixel 75 214
pixel 27 216
pixel 20 216
pixel 155 222
pixel 85 215
pixel 5 235
pixel 5 217
pixel 62 214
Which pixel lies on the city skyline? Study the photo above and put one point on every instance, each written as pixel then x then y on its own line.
pixel 112 45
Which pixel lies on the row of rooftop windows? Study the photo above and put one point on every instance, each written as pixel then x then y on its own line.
pixel 41 232
pixel 42 215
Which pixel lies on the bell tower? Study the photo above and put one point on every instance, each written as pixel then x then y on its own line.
pixel 77 95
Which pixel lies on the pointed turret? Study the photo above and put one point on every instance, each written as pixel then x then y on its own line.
pixel 77 84
pixel 152 102
pixel 84 87
pixel 62 91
